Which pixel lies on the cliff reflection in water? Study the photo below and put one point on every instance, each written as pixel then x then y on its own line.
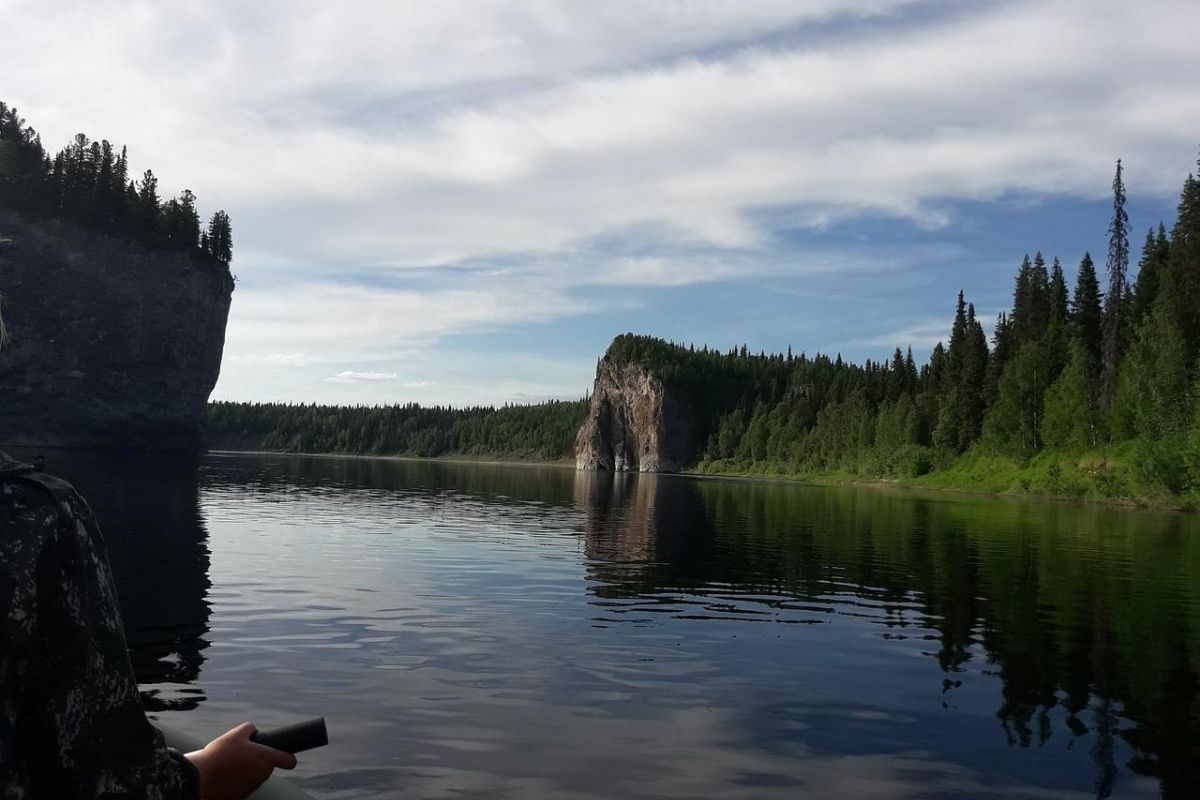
pixel 149 513
pixel 1088 617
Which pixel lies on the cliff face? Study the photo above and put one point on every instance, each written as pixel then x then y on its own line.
pixel 111 345
pixel 635 423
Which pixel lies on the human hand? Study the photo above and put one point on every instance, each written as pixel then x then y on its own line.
pixel 231 766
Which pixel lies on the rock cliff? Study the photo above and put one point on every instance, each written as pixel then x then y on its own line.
pixel 636 423
pixel 111 345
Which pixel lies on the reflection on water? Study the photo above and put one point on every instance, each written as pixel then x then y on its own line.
pixel 522 632
pixel 1088 617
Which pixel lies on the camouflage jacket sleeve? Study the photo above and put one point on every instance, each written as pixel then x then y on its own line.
pixel 71 720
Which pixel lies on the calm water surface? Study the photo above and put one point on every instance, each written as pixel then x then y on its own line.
pixel 518 632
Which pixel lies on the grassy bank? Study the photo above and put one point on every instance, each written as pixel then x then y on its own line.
pixel 1132 474
pixel 1115 476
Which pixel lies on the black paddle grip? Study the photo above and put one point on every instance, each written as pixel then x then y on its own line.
pixel 295 738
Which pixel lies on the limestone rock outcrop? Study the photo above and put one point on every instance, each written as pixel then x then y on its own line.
pixel 111 345
pixel 636 423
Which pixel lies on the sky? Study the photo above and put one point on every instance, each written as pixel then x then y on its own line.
pixel 463 202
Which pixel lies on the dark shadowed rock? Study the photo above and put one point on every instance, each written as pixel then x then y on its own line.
pixel 112 345
pixel 636 423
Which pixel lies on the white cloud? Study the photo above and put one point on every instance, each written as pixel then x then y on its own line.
pixel 522 145
pixel 350 376
pixel 562 122
pixel 287 359
pixel 922 336
pixel 347 322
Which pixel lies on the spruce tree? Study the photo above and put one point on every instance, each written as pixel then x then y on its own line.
pixel 121 170
pixel 896 376
pixel 24 167
pixel 1056 341
pixel 910 372
pixel 1058 295
pixel 149 211
pixel 1181 281
pixel 1022 302
pixel 104 194
pixel 935 375
pixel 189 221
pixel 220 245
pixel 1003 346
pixel 94 190
pixel 973 381
pixel 958 336
pixel 58 183
pixel 1031 349
pixel 1031 301
pixel 1113 344
pixel 1039 299
pixel 1151 266
pixel 122 211
pixel 1086 312
pixel 78 176
pixel 960 410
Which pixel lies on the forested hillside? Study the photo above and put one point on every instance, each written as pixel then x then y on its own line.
pixel 1087 391
pixel 90 183
pixel 543 432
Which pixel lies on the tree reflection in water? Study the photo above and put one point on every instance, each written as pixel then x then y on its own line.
pixel 1089 616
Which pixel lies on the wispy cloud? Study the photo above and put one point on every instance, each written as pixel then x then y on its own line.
pixel 403 173
pixel 359 322
pixel 564 122
pixel 349 376
pixel 286 359
pixel 921 336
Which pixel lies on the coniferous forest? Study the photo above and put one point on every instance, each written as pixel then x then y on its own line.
pixel 543 432
pixel 1084 390
pixel 92 184
pixel 1088 386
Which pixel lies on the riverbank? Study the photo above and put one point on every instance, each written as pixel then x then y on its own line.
pixel 500 460
pixel 1106 479
pixel 1109 477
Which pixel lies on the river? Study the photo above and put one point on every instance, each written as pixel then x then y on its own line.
pixel 484 631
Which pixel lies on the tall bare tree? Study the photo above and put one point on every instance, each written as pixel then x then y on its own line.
pixel 1116 299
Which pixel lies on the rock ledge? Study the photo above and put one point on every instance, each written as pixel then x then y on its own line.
pixel 636 423
pixel 113 345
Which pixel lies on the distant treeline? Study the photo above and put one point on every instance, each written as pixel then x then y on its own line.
pixel 89 183
pixel 1067 372
pixel 544 432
